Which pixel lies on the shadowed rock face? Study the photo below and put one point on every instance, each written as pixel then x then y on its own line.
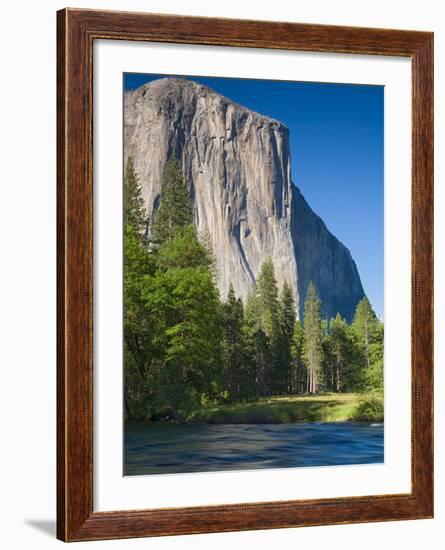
pixel 237 164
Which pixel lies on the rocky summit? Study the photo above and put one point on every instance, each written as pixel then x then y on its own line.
pixel 237 165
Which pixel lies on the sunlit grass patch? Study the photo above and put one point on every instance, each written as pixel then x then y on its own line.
pixel 294 408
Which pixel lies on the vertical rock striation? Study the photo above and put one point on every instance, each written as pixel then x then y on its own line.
pixel 237 164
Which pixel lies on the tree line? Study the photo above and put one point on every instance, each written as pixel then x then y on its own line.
pixel 184 347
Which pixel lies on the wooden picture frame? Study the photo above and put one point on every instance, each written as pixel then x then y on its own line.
pixel 76 32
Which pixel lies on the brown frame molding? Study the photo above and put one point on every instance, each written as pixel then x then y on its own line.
pixel 76 32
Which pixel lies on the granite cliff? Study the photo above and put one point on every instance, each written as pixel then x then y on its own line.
pixel 237 164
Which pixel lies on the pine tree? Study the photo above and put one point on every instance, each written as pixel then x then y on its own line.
pixel 175 209
pixel 205 239
pixel 138 263
pixel 363 324
pixel 340 352
pixel 257 343
pixel 261 352
pixel 252 310
pixel 298 373
pixel 268 296
pixel 234 347
pixel 134 210
pixel 325 377
pixel 270 322
pixel 286 322
pixel 368 332
pixel 312 339
pixel 182 251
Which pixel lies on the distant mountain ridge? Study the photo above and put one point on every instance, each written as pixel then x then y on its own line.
pixel 237 163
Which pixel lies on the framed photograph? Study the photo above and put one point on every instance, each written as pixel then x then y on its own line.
pixel 245 275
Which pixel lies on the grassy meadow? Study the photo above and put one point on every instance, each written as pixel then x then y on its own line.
pixel 329 407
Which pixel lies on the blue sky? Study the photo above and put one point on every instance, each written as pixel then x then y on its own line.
pixel 336 142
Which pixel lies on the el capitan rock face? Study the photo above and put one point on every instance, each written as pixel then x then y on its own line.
pixel 237 164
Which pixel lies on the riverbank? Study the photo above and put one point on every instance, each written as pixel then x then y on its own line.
pixel 332 407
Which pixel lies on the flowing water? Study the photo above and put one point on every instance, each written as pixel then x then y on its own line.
pixel 161 448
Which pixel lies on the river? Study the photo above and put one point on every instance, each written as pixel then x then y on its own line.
pixel 162 448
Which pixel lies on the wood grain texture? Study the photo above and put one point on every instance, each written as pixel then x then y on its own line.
pixel 76 32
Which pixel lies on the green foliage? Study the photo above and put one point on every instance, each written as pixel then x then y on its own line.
pixel 175 211
pixel 171 308
pixel 184 305
pixel 363 325
pixel 312 348
pixel 273 381
pixel 137 324
pixel 182 250
pixel 370 409
pixel 185 351
pixel 368 332
pixel 299 371
pixel 257 343
pixel 134 210
pixel 282 379
pixel 268 299
pixel 339 358
pixel 205 239
pixel 253 311
pixel 239 370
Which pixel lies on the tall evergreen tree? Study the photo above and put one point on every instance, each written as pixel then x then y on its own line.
pixel 270 321
pixel 175 210
pixel 312 339
pixel 138 263
pixel 286 328
pixel 183 250
pixel 205 239
pixel 260 350
pixel 257 343
pixel 252 310
pixel 338 356
pixel 368 332
pixel 268 294
pixel 299 372
pixel 363 325
pixel 134 210
pixel 239 377
pixel 325 378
